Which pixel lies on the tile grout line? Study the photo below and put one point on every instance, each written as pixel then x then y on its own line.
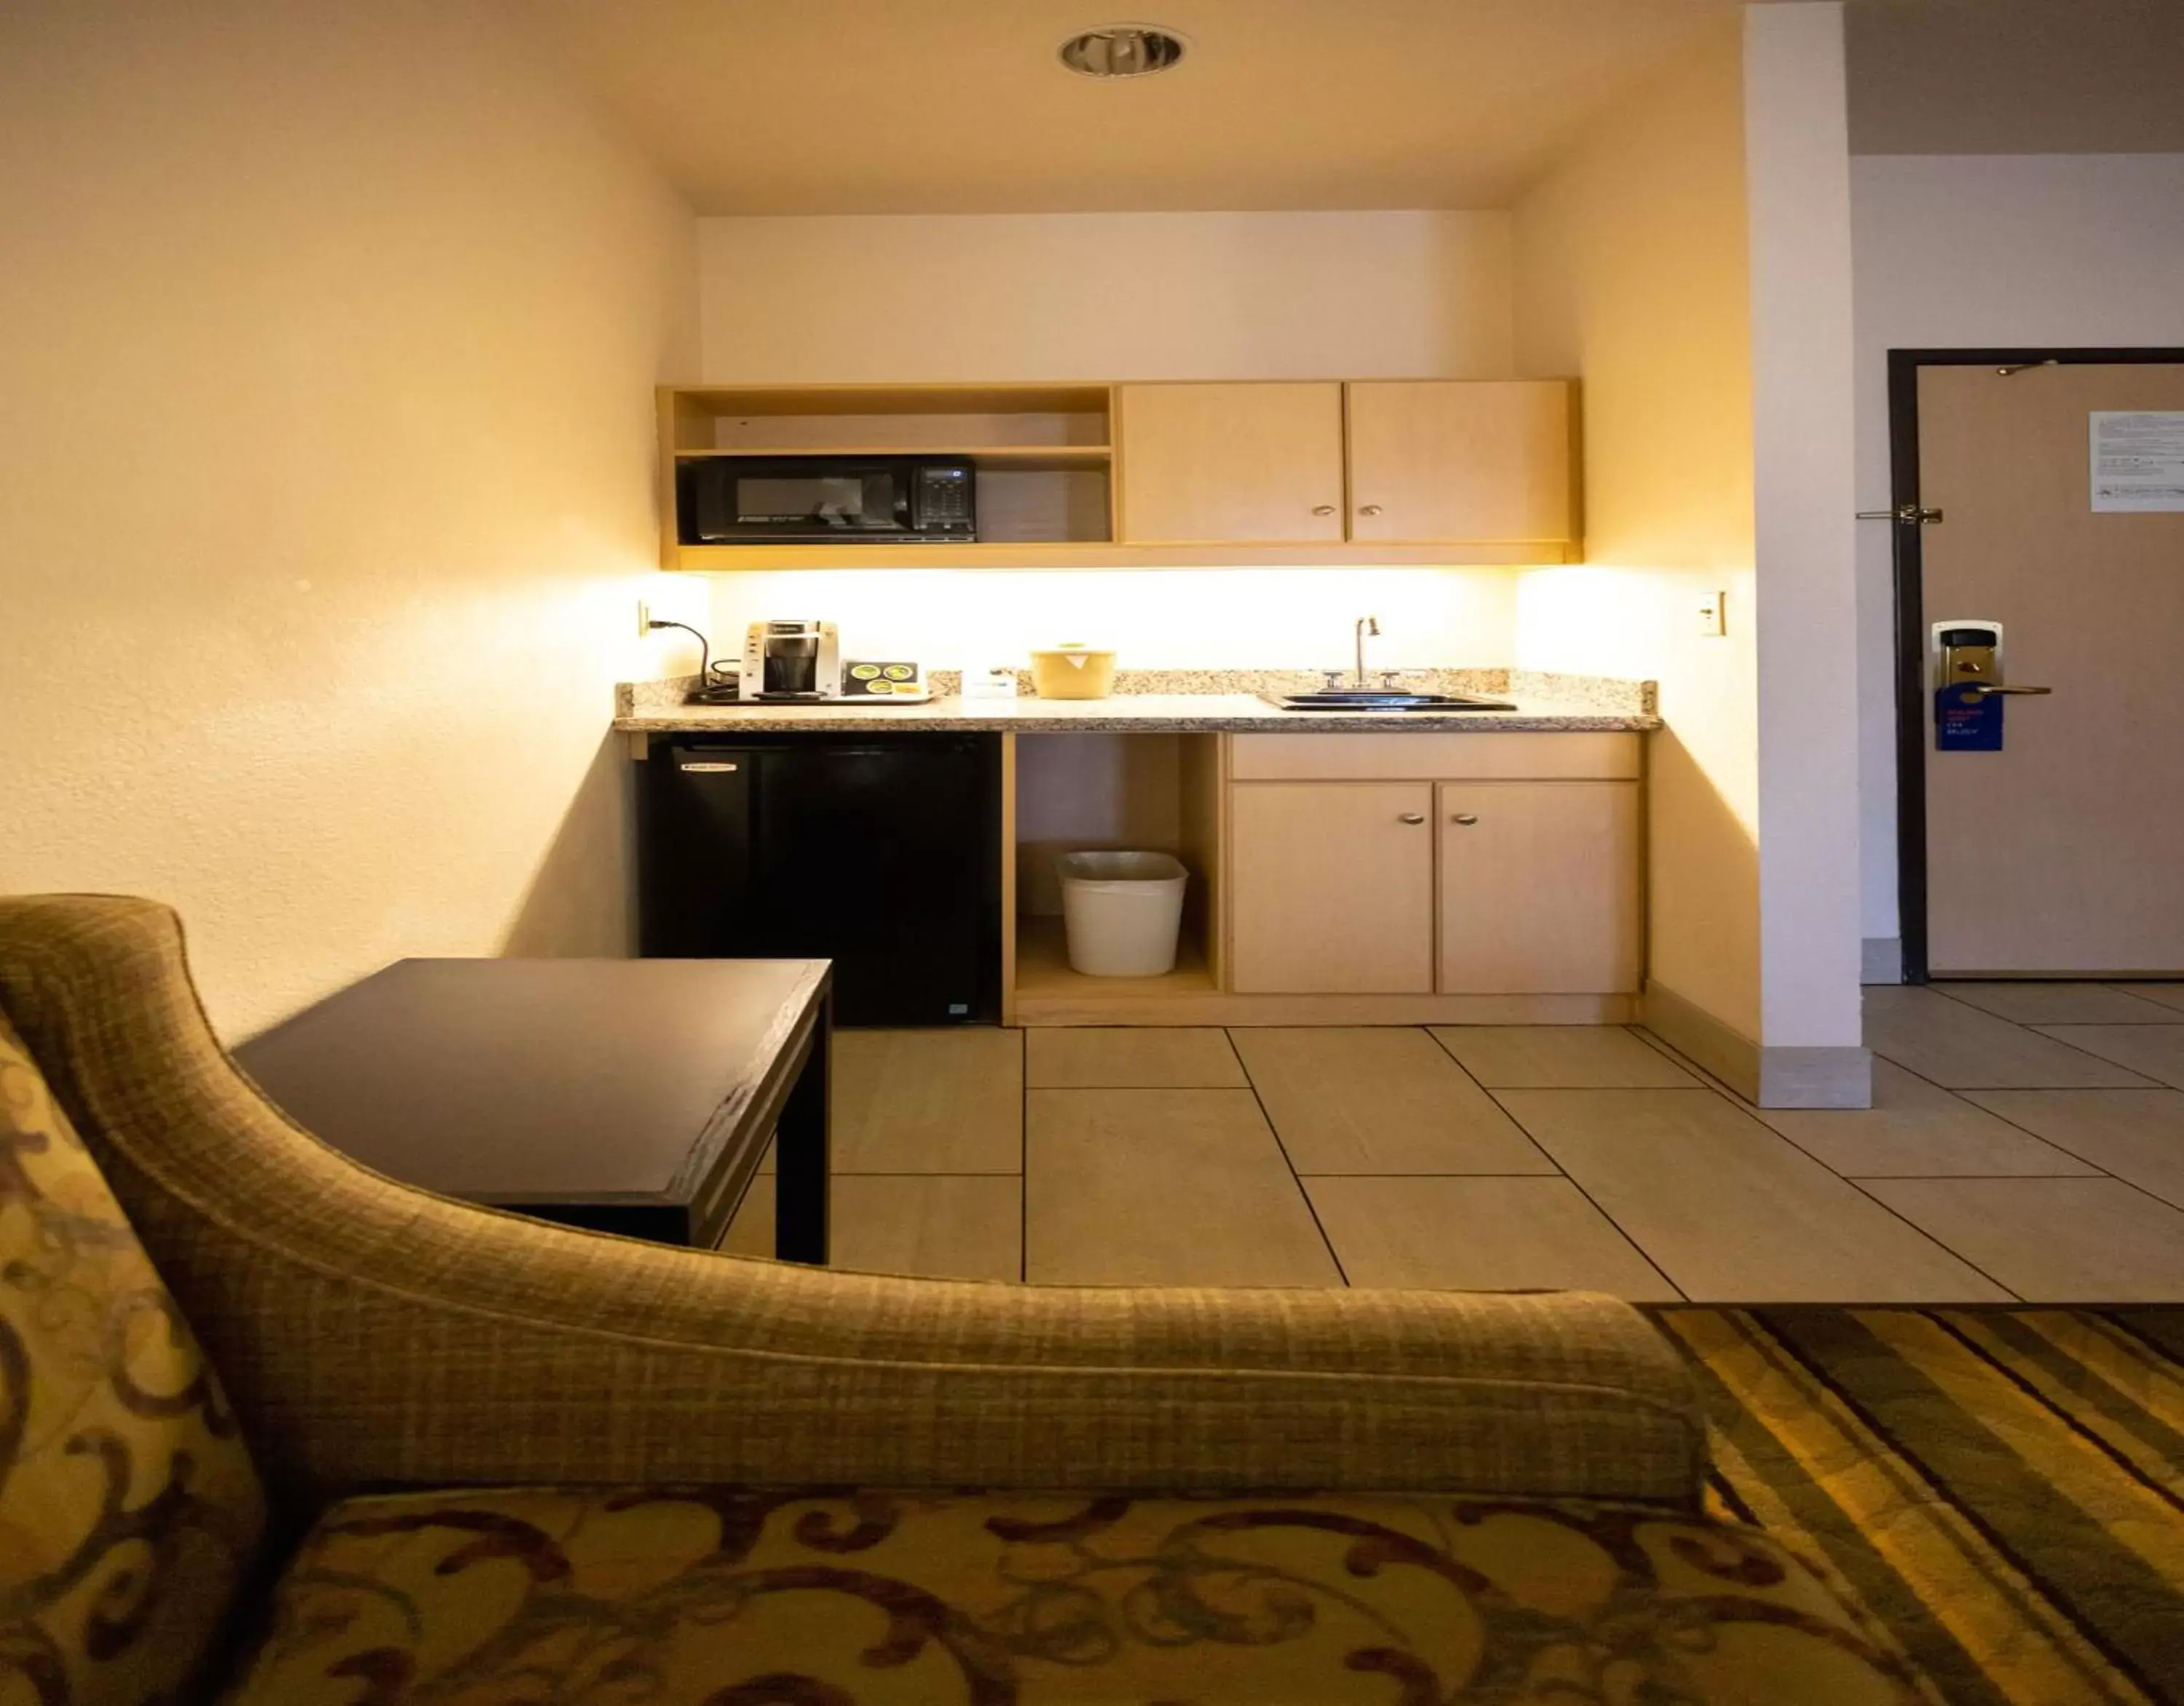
pixel 1710 1084
pixel 1296 1179
pixel 1974 1178
pixel 934 1173
pixel 1949 1091
pixel 1621 1231
pixel 1938 1243
pixel 2100 1175
pixel 1946 989
pixel 1023 1156
pixel 1557 1174
pixel 2150 1083
pixel 2057 1144
pixel 1561 1171
pixel 1618 1089
pixel 2129 990
pixel 1855 1181
pixel 1959 1090
pixel 1246 1085
pixel 1751 1112
pixel 1757 1113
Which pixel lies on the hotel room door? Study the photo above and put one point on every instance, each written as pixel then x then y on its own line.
pixel 2060 489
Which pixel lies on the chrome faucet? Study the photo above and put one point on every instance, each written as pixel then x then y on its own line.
pixel 1366 625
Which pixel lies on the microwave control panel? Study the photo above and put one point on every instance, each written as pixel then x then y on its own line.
pixel 944 500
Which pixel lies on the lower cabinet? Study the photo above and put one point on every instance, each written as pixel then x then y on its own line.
pixel 1538 887
pixel 1455 887
pixel 1331 888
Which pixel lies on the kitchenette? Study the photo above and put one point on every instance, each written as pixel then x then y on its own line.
pixel 1346 866
pixel 1358 844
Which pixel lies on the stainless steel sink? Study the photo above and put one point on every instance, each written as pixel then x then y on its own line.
pixel 1368 699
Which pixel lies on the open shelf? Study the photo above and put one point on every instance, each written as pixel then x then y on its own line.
pixel 1043 970
pixel 1030 458
pixel 1045 456
pixel 1034 398
pixel 1072 790
pixel 983 421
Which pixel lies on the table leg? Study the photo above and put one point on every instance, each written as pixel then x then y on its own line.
pixel 803 1165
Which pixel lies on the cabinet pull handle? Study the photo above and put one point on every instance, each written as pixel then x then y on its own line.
pixel 1464 818
pixel 1323 509
pixel 1369 510
pixel 1414 817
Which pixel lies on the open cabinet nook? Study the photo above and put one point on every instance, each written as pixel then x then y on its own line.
pixel 1079 792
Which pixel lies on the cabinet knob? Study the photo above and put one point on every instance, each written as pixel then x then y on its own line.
pixel 1414 817
pixel 1368 509
pixel 1323 509
pixel 1464 818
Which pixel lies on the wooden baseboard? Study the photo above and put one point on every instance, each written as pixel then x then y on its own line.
pixel 1767 1077
pixel 1213 1006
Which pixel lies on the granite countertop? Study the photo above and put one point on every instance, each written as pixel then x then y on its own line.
pixel 1202 701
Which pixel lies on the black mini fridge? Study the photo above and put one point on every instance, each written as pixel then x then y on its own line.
pixel 879 852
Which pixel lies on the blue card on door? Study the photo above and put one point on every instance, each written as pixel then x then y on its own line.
pixel 1967 721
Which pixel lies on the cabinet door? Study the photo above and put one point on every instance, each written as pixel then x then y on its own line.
pixel 1208 463
pixel 1474 460
pixel 1331 888
pixel 1539 888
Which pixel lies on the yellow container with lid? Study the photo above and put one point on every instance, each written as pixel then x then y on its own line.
pixel 1072 670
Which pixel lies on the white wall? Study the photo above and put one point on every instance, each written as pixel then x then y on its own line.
pixel 1214 619
pixel 1632 276
pixel 1119 296
pixel 1797 167
pixel 1986 251
pixel 1106 295
pixel 327 333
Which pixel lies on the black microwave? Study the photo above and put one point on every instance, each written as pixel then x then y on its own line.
pixel 825 500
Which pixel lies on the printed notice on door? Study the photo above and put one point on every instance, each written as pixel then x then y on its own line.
pixel 2139 459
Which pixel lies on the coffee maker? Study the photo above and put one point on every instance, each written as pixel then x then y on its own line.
pixel 791 660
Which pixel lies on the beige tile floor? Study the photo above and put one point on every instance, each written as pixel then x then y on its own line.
pixel 2026 1141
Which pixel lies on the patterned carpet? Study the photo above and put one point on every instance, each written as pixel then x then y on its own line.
pixel 2002 1488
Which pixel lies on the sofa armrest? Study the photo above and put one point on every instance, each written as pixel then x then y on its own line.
pixel 370 1333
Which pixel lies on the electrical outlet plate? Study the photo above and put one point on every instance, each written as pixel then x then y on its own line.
pixel 1714 620
pixel 643 620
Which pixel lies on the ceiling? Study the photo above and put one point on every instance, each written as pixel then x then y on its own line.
pixel 2016 76
pixel 959 106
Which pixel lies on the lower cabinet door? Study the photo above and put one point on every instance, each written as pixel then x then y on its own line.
pixel 1331 888
pixel 1539 888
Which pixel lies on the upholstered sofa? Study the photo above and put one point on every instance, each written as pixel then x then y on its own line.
pixel 452 1455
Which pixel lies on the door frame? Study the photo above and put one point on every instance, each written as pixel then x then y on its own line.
pixel 1909 553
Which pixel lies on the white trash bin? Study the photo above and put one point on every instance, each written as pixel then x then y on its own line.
pixel 1122 911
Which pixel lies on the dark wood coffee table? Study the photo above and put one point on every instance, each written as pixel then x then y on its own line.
pixel 630 1096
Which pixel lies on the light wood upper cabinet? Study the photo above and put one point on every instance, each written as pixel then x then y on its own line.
pixel 1538 887
pixel 1331 888
pixel 1202 463
pixel 1465 459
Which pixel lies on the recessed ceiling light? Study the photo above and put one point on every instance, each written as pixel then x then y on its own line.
pixel 1121 50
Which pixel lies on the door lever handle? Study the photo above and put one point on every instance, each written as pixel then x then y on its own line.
pixel 1989 687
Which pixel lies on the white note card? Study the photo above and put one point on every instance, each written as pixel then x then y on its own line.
pixel 2139 459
